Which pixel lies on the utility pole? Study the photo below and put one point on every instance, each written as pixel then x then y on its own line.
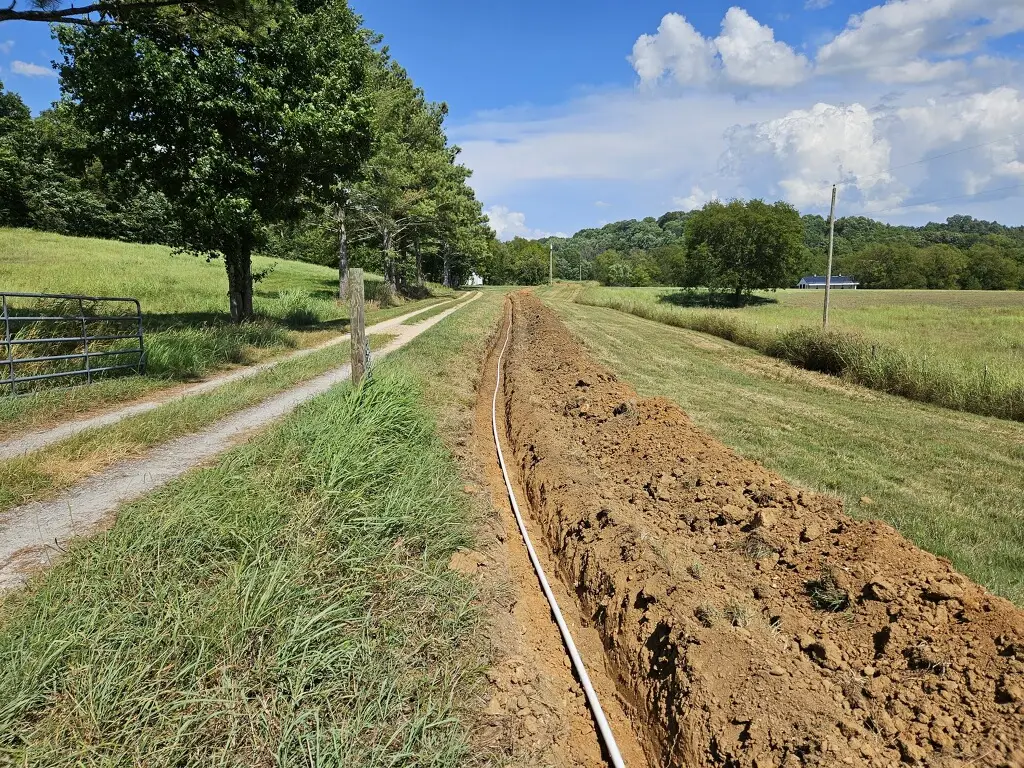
pixel 831 239
pixel 551 262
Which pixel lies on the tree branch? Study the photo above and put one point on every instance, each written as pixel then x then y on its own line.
pixel 80 14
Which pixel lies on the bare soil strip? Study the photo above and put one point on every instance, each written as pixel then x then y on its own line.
pixel 36 439
pixel 537 713
pixel 746 622
pixel 33 535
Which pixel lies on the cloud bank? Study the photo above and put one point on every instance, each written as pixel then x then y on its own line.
pixel 910 102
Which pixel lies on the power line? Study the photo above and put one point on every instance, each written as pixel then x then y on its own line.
pixel 945 199
pixel 932 157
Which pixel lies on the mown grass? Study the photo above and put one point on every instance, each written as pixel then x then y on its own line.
pixel 962 350
pixel 949 481
pixel 184 298
pixel 289 606
pixel 56 467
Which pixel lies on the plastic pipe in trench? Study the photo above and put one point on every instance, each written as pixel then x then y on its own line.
pixel 595 705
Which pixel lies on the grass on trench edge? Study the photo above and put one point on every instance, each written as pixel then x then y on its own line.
pixel 54 468
pixel 850 356
pixel 290 605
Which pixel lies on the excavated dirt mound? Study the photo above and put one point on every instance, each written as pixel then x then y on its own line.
pixel 747 622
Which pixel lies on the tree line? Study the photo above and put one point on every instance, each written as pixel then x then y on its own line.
pixel 287 129
pixel 738 246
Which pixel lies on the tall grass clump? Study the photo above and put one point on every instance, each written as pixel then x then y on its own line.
pixel 300 309
pixel 940 381
pixel 291 605
pixel 191 351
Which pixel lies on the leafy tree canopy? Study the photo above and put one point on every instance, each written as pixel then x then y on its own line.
pixel 230 125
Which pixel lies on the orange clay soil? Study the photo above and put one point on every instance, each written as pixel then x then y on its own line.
pixel 535 713
pixel 746 622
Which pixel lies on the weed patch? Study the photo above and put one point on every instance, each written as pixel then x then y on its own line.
pixel 825 592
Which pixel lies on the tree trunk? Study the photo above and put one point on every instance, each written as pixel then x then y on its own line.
pixel 419 263
pixel 239 267
pixel 390 291
pixel 446 272
pixel 737 296
pixel 342 255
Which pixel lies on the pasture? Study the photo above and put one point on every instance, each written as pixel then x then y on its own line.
pixel 959 349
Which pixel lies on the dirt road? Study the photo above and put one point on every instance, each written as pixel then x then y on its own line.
pixel 33 535
pixel 39 438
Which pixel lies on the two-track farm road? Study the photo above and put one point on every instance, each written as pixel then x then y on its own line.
pixel 40 438
pixel 32 535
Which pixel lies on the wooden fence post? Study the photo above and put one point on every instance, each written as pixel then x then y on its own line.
pixel 357 325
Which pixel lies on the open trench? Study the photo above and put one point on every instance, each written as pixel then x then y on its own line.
pixel 727 617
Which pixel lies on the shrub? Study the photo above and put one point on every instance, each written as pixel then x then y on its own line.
pixel 300 309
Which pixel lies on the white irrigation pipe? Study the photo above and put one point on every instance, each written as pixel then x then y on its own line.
pixel 577 662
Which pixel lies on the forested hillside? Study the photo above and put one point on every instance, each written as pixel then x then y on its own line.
pixel 961 252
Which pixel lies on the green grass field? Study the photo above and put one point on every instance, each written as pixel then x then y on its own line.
pixel 184 300
pixel 173 289
pixel 949 481
pixel 290 605
pixel 959 349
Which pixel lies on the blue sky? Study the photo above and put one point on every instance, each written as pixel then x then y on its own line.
pixel 572 113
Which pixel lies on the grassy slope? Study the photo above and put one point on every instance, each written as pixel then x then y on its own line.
pixel 959 349
pixel 169 286
pixel 290 605
pixel 184 300
pixel 949 481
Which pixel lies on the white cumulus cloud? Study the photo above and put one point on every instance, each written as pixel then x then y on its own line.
pixel 905 41
pixel 898 42
pixel 746 53
pixel 987 128
pixel 752 56
pixel 31 70
pixel 676 48
pixel 6 46
pixel 696 199
pixel 508 224
pixel 807 150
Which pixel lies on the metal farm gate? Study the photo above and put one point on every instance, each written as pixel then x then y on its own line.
pixel 48 336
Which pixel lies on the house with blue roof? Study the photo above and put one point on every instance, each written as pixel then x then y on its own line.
pixel 818 281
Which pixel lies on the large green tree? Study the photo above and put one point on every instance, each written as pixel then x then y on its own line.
pixel 745 246
pixel 233 126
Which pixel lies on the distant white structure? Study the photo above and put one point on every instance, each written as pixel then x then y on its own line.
pixel 818 281
pixel 474 279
